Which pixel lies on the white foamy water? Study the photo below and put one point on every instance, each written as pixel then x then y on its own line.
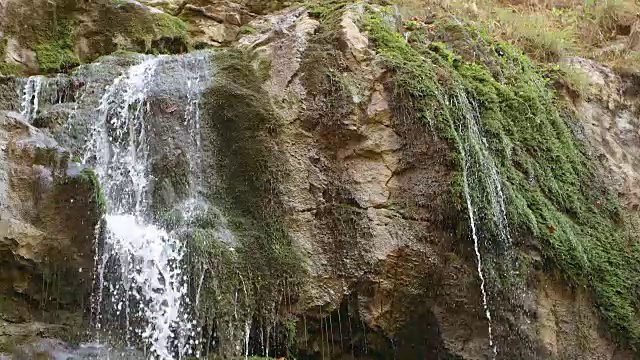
pixel 30 97
pixel 483 173
pixel 142 298
pixel 151 258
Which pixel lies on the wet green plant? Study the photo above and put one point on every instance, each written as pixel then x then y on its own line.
pixel 55 51
pixel 552 189
pixel 247 30
pixel 90 179
pixel 251 267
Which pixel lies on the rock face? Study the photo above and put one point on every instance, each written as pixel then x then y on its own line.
pixel 302 138
pixel 48 216
pixel 611 126
pixel 65 33
pixel 369 204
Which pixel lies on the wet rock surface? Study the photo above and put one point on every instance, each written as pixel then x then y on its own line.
pixel 47 228
pixel 365 196
pixel 369 205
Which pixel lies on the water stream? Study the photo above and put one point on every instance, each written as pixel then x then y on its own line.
pixel 141 299
pixel 481 186
pixel 30 97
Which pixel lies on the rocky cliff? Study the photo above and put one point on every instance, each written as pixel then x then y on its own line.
pixel 375 188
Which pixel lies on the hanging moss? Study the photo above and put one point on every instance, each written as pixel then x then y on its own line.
pixel 253 274
pixel 244 125
pixel 107 26
pixel 552 190
pixel 89 178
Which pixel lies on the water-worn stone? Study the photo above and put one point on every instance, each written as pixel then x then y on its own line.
pixel 47 226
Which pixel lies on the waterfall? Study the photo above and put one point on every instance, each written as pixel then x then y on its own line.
pixel 141 298
pixel 481 177
pixel 30 97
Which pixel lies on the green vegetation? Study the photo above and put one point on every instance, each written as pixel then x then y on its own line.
pixel 551 187
pixel 537 35
pixel 51 36
pixel 115 25
pixel 55 49
pixel 253 273
pixel 250 173
pixel 170 26
pixel 3 48
pixel 142 31
pixel 89 178
pixel 546 30
pixel 10 68
pixel 56 55
pixel 247 30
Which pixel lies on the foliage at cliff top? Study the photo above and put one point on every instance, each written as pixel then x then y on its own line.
pixel 548 30
pixel 551 188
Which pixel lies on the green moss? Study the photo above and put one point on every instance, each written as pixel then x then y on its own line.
pixel 548 179
pixel 114 25
pixel 89 177
pixel 3 48
pixel 52 35
pixel 141 31
pixel 249 172
pixel 326 74
pixel 260 259
pixel 10 68
pixel 170 26
pixel 247 30
pixel 55 55
pixel 55 51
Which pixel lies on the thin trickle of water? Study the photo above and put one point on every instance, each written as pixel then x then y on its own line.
pixel 480 172
pixel 196 82
pixel 247 333
pixel 141 296
pixel 30 97
pixel 476 245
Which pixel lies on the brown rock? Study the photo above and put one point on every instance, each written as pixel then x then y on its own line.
pixel 633 43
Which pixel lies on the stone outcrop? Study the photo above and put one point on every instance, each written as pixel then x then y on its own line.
pixel 610 119
pixel 65 33
pixel 49 210
pixel 370 207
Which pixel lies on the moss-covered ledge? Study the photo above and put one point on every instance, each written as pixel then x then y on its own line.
pixel 65 33
pixel 552 189
pixel 251 268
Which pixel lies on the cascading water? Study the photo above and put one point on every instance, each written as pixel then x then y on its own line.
pixel 480 173
pixel 141 298
pixel 30 97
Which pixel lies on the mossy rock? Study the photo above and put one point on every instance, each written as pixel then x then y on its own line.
pixel 65 33
pixel 261 260
pixel 8 69
pixel 552 189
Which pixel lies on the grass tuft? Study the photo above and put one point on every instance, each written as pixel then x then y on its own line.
pixel 545 30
